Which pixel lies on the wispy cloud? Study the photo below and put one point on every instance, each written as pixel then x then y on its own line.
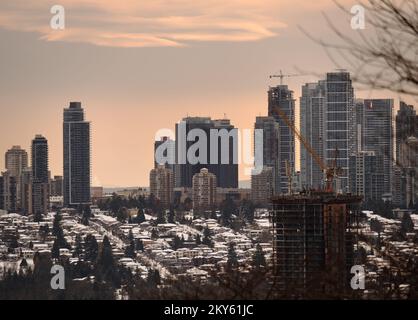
pixel 147 23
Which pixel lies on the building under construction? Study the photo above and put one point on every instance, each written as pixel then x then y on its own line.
pixel 313 242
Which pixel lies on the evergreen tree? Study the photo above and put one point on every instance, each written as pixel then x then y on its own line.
pixel 161 216
pixel 139 245
pixel 232 262
pixel 130 236
pixel 154 277
pixel 407 225
pixel 23 263
pixel 259 259
pixel 140 217
pixel 198 240
pixel 122 215
pixel 86 215
pixel 228 208
pixel 91 248
pixel 171 215
pixel 248 209
pixel 105 266
pixel 154 233
pixel 177 243
pixel 56 225
pixel 78 247
pixel 376 226
pixel 43 232
pixel 130 250
pixel 55 251
pixel 207 237
pixel 57 231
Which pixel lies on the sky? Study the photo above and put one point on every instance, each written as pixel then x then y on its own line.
pixel 139 66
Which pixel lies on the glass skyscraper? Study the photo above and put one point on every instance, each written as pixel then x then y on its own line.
pixel 76 132
pixel 281 97
pixel 312 108
pixel 40 175
pixel 340 124
pixel 378 134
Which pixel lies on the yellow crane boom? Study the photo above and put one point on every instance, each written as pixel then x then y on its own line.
pixel 330 172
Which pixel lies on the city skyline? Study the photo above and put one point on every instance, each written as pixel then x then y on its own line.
pixel 180 150
pixel 242 178
pixel 152 87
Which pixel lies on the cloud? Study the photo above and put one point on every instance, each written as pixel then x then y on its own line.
pixel 147 23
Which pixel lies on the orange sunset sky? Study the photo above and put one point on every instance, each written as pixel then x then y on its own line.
pixel 139 66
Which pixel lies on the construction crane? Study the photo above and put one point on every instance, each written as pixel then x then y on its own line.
pixel 281 76
pixel 330 172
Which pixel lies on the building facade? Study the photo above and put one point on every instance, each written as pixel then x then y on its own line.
pixel 262 186
pixel 76 134
pixel 378 134
pixel 405 179
pixel 340 124
pixel 8 192
pixel 16 160
pixel 367 175
pixel 204 190
pixel 312 112
pixel 40 175
pixel 214 143
pixel 271 148
pixel 282 98
pixel 162 185
pixel 57 186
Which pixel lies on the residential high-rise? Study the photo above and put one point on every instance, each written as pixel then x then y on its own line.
pixel 271 149
pixel 76 133
pixel 312 113
pixel 329 123
pixel 217 136
pixel 162 185
pixel 359 127
pixel 204 190
pixel 406 126
pixel 40 175
pixel 170 149
pixel 340 123
pixel 405 184
pixel 262 186
pixel 8 192
pixel 367 175
pixel 16 160
pixel 27 191
pixel 226 172
pixel 378 134
pixel 56 188
pixel 282 98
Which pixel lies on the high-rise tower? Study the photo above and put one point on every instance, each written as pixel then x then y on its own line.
pixel 76 133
